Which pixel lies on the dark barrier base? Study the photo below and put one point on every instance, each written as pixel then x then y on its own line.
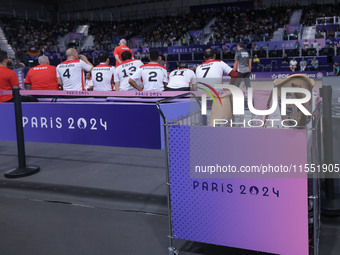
pixel 22 172
pixel 330 205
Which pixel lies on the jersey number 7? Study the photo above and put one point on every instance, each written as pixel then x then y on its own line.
pixel 206 69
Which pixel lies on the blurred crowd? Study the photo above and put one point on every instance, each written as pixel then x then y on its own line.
pixel 172 28
pixel 250 25
pixel 34 34
pixel 104 32
pixel 326 12
pixel 314 11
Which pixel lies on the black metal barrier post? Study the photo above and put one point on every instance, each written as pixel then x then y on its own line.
pixel 326 93
pixel 330 202
pixel 23 170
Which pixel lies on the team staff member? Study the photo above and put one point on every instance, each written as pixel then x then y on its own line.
pixel 242 65
pixel 43 76
pixel 88 82
pixel 70 73
pixel 102 74
pixel 8 78
pixel 119 50
pixel 153 75
pixel 211 71
pixel 181 78
pixel 125 70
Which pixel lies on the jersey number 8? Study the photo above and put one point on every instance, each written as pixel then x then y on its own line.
pixel 99 77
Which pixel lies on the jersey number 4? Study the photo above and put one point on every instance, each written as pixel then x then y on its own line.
pixel 67 73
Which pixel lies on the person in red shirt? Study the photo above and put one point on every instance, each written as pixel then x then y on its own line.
pixel 43 76
pixel 8 78
pixel 119 50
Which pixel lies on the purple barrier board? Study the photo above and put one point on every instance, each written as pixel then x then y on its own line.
pixel 289 45
pixel 262 214
pixel 109 124
pixel 270 76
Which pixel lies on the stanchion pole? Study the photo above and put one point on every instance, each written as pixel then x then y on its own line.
pixel 330 203
pixel 23 170
pixel 326 92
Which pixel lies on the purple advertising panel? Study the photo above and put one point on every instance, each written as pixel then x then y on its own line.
pixel 75 36
pixel 270 76
pixel 187 49
pixel 262 214
pixel 287 44
pixel 109 124
pixel 133 124
pixel 329 27
pixel 292 28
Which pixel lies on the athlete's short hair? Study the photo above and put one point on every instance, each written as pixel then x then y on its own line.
pixel 43 60
pixel 70 52
pixel 123 42
pixel 154 54
pixel 3 55
pixel 103 56
pixel 183 65
pixel 241 45
pixel 209 53
pixel 126 55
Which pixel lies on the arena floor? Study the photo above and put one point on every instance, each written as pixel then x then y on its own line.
pixel 97 200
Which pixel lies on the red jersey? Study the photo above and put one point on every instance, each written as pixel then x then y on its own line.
pixel 42 77
pixel 8 79
pixel 119 50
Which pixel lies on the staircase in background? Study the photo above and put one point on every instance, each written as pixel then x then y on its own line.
pixel 84 29
pixel 295 18
pixel 308 32
pixel 88 42
pixel 207 31
pixel 4 44
pixel 63 41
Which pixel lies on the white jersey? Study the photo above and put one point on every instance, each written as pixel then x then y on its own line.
pixel 211 72
pixel 88 83
pixel 124 71
pixel 102 77
pixel 181 78
pixel 152 75
pixel 71 73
